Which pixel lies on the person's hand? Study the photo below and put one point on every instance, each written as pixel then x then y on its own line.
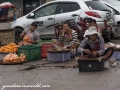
pixel 66 47
pixel 29 41
pixel 25 33
pixel 95 53
pixel 87 51
pixel 62 32
pixel 22 35
pixel 114 47
pixel 62 45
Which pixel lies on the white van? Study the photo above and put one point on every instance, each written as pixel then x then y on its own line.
pixel 61 10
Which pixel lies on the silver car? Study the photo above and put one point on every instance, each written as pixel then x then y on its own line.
pixel 61 10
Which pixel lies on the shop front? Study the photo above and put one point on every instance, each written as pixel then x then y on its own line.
pixel 29 5
pixel 26 5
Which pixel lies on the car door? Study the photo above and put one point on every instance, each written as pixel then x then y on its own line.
pixel 45 17
pixel 117 13
pixel 67 10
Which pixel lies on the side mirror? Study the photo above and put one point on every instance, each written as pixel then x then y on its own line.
pixel 31 15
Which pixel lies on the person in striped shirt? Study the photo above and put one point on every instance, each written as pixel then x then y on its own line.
pixel 68 37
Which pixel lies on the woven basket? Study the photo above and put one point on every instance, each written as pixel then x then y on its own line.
pixel 7 36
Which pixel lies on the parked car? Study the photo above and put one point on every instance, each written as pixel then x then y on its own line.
pixel 115 6
pixel 56 11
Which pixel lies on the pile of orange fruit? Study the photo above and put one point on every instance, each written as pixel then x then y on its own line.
pixel 14 58
pixel 26 39
pixel 10 48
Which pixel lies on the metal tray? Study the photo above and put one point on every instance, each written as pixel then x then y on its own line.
pixel 12 63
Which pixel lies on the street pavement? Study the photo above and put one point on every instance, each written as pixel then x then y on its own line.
pixel 44 75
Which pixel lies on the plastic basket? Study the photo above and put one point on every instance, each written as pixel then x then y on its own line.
pixel 116 54
pixel 55 57
pixel 90 65
pixel 32 52
pixel 45 48
pixel 7 36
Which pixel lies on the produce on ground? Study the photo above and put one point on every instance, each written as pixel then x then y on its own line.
pixel 12 47
pixel 14 58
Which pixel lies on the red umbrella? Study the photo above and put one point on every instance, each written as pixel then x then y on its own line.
pixel 6 5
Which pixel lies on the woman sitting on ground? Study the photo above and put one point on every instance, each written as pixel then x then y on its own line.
pixel 93 45
pixel 30 35
pixel 67 38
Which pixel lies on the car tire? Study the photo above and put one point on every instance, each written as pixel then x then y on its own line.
pixel 18 31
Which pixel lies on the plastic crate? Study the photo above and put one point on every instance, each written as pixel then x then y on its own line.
pixel 89 65
pixel 45 48
pixel 32 52
pixel 55 57
pixel 116 54
pixel 7 36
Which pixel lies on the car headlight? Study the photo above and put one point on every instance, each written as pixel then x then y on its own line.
pixel 12 22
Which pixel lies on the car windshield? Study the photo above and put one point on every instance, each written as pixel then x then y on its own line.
pixel 114 3
pixel 97 5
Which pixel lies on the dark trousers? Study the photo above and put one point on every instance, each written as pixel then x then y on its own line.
pixel 106 51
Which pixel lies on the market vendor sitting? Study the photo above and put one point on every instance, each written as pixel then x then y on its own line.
pixel 30 35
pixel 93 46
pixel 92 22
pixel 67 38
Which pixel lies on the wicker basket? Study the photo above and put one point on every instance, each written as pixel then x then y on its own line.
pixel 7 36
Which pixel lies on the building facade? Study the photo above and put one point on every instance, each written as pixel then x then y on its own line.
pixel 26 5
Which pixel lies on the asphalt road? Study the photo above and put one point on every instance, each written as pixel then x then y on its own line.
pixel 58 78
